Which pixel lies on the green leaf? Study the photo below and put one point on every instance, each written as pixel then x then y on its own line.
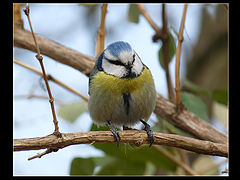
pixel 82 166
pixel 194 104
pixel 150 169
pixel 102 161
pixel 142 154
pixel 189 85
pixel 71 112
pixel 221 96
pixel 100 128
pixel 172 51
pixel 160 57
pixel 133 13
pixel 163 126
pixel 122 167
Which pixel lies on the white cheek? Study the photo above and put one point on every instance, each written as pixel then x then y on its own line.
pixel 118 71
pixel 137 66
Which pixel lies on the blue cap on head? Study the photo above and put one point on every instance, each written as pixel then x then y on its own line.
pixel 115 49
pixel 119 46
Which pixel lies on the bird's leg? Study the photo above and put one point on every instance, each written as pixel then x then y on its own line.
pixel 114 131
pixel 149 131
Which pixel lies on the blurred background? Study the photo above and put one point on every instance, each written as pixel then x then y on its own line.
pixel 203 72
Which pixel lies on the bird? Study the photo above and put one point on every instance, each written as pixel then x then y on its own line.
pixel 121 90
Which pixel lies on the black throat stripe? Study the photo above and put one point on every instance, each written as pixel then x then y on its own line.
pixel 126 100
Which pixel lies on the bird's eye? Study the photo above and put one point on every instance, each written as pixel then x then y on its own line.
pixel 115 62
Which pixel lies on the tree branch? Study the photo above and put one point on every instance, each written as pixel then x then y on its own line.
pixel 23 39
pixel 137 137
pixel 149 19
pixel 186 120
pixel 180 163
pixel 17 18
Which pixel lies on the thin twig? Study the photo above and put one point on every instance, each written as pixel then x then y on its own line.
pixel 149 19
pixel 32 95
pixel 50 77
pixel 27 12
pixel 166 57
pixel 101 32
pixel 40 59
pixel 39 155
pixel 178 54
pixel 226 171
pixel 182 153
pixel 184 166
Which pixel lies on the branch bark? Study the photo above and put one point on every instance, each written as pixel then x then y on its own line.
pixel 137 137
pixel 23 39
pixel 186 120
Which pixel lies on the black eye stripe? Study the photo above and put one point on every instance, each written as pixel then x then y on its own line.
pixel 133 58
pixel 115 62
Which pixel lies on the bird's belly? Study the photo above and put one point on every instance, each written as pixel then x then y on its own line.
pixel 114 108
pixel 121 101
pixel 127 115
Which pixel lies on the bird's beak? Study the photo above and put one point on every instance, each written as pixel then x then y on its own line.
pixel 129 65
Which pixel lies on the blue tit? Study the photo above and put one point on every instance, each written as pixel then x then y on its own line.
pixel 121 89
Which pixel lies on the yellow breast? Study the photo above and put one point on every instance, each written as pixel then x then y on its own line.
pixel 120 85
pixel 107 102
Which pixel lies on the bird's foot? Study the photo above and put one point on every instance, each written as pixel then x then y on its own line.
pixel 149 131
pixel 115 132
